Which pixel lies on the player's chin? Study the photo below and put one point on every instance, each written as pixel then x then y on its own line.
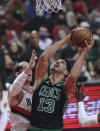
pixel 53 69
pixel 29 79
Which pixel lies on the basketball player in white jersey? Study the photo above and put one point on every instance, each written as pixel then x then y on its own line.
pixel 4 109
pixel 84 119
pixel 21 95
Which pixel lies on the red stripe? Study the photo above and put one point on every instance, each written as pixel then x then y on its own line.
pixel 8 127
pixel 21 110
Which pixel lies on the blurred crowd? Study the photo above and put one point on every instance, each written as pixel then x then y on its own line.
pixel 22 30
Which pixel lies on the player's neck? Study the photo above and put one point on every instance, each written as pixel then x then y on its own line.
pixel 55 77
pixel 26 85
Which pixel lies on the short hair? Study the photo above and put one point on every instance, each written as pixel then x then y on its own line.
pixel 21 66
pixel 69 64
pixel 18 68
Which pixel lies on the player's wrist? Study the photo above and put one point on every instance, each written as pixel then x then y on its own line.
pixel 27 71
pixel 79 100
pixel 68 40
pixel 80 103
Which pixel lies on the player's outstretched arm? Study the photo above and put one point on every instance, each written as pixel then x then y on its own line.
pixel 19 81
pixel 84 119
pixel 42 65
pixel 76 70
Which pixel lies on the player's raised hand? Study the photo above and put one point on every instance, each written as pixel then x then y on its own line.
pixel 80 94
pixel 89 45
pixel 32 60
pixel 69 37
pixel 31 63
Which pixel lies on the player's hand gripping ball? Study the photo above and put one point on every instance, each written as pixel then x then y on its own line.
pixel 81 37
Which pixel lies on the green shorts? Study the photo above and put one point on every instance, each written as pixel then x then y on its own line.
pixel 33 128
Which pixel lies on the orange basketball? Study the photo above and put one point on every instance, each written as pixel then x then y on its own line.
pixel 79 36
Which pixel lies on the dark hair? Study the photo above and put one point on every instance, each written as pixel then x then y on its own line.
pixel 69 64
pixel 17 68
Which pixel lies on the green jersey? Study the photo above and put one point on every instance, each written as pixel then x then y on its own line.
pixel 48 105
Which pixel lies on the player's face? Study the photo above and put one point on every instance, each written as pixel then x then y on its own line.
pixel 34 39
pixel 29 77
pixel 59 66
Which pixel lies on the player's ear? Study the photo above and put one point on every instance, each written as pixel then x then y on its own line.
pixel 66 73
pixel 17 73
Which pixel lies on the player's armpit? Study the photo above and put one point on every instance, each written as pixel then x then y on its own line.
pixel 69 85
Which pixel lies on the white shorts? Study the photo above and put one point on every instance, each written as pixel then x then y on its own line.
pixel 19 123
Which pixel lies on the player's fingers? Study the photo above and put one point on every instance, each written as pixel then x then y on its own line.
pixel 86 43
pixel 92 40
pixel 75 28
pixel 85 94
pixel 82 90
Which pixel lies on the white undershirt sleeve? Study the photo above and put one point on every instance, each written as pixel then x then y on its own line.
pixel 84 119
pixel 17 84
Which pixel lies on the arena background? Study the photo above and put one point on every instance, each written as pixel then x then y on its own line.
pixel 17 21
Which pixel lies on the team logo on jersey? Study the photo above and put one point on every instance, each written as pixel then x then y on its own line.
pixel 28 101
pixel 49 92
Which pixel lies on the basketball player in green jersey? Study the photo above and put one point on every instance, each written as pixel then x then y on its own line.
pixel 51 95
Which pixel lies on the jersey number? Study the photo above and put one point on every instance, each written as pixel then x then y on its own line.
pixel 50 105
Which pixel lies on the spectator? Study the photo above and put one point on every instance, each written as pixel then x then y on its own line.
pixel 3 41
pixel 14 51
pixel 44 41
pixel 61 24
pixel 33 44
pixel 70 14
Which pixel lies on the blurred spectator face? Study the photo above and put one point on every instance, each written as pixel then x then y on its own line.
pixel 61 34
pixel 2 11
pixel 97 17
pixel 97 67
pixel 68 4
pixel 3 37
pixel 98 31
pixel 43 31
pixel 9 64
pixel 34 38
pixel 14 47
pixel 8 16
pixel 3 24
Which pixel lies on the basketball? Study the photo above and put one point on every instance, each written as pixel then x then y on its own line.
pixel 79 36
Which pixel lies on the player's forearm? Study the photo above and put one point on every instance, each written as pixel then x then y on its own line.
pixel 84 119
pixel 18 83
pixel 76 70
pixel 51 50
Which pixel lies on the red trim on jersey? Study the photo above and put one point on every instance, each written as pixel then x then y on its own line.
pixel 27 91
pixel 21 110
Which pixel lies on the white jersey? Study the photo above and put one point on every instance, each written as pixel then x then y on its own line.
pixel 4 106
pixel 4 109
pixel 21 112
